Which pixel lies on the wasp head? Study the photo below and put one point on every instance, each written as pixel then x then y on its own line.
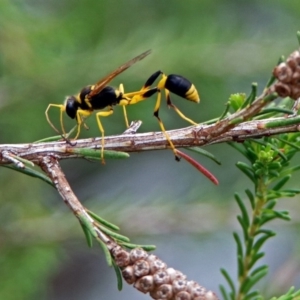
pixel 71 105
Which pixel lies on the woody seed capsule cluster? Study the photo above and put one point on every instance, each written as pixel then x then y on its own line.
pixel 150 275
pixel 288 76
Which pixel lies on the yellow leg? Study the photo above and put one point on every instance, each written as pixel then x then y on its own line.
pixel 121 89
pixel 98 115
pixel 80 115
pixel 62 109
pixel 170 104
pixel 162 127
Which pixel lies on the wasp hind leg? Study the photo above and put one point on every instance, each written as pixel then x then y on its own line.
pixel 162 127
pixel 170 104
pixel 98 115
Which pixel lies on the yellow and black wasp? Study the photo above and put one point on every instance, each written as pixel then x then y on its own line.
pixel 100 96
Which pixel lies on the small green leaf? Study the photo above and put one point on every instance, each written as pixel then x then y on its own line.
pixel 271 204
pixel 30 172
pixel 87 224
pixel 236 100
pixel 298 37
pixel 205 153
pixel 243 209
pixel 49 139
pixel 281 182
pixel 282 122
pixel 276 110
pixel 253 295
pixel 255 258
pixel 223 292
pixel 224 114
pixel 259 243
pixel 265 231
pixel 252 95
pixel 229 280
pixel 247 170
pixel 240 266
pixel 258 269
pixel 133 246
pixel 251 281
pixel 244 227
pixel 107 254
pixel 119 275
pixel 113 234
pixel 270 97
pixel 96 153
pixel 236 121
pixel 239 244
pixel 251 198
pixel 249 246
pixel 103 221
pixel 88 235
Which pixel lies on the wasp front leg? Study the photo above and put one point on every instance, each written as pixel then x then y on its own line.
pixel 80 115
pixel 62 109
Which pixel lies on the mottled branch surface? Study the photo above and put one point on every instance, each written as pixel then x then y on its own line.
pixel 191 136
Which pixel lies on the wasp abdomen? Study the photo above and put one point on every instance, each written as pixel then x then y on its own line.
pixel 182 87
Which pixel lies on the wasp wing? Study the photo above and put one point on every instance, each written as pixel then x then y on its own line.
pixel 105 80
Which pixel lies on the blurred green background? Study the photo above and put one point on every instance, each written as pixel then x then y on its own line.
pixel 50 49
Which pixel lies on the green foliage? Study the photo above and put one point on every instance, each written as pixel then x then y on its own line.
pixel 50 49
pixel 269 169
pixel 99 224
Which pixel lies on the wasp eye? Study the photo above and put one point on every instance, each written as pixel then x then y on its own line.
pixel 71 107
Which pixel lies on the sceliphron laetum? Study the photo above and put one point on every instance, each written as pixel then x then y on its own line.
pixel 100 96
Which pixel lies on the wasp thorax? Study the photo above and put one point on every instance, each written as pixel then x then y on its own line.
pixel 71 105
pixel 84 92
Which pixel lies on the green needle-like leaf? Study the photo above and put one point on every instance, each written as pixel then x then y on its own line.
pixel 251 198
pixel 247 170
pixel 244 227
pixel 30 172
pixel 223 292
pixel 87 224
pixel 113 234
pixel 205 153
pixel 108 257
pixel 259 243
pixel 133 246
pixel 103 221
pixel 255 258
pixel 229 280
pixel 243 209
pixel 88 235
pixel 239 244
pixel 95 154
pixel 282 182
pixel 251 281
pixel 119 275
pixel 252 95
pixel 258 269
